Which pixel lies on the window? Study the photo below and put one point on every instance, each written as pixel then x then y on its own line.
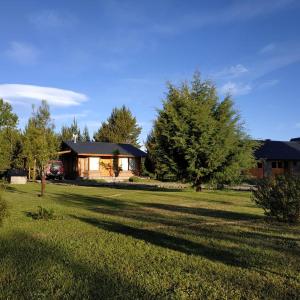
pixel 259 165
pixel 124 163
pixel 295 163
pixel 132 164
pixel 274 164
pixel 286 164
pixel 279 164
pixel 94 163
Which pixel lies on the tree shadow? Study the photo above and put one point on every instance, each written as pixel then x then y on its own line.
pixel 119 185
pixel 168 241
pixel 205 212
pixel 33 269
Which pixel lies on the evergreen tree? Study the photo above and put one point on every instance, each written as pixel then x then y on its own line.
pixel 85 137
pixel 120 127
pixel 40 142
pixel 67 132
pixel 198 138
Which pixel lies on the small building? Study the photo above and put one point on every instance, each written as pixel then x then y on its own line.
pixel 276 158
pixel 17 176
pixel 98 160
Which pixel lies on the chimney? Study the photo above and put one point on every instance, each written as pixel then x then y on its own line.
pixel 75 136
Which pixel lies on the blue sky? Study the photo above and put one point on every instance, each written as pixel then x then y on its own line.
pixel 86 57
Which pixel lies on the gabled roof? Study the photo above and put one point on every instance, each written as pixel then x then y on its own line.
pixel 278 150
pixel 104 148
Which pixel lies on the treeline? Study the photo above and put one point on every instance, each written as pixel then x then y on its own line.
pixel 196 137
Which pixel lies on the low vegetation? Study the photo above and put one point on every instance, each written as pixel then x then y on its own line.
pixel 43 214
pixel 279 197
pixel 140 244
pixel 3 204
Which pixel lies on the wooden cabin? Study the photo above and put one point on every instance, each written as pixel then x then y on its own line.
pixel 97 160
pixel 276 158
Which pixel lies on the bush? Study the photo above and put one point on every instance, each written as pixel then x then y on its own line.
pixel 134 179
pixel 3 204
pixel 279 197
pixel 43 214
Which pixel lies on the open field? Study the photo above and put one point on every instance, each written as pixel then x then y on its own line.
pixel 120 243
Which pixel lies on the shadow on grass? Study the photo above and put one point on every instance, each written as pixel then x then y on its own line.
pixel 205 212
pixel 167 241
pixel 191 222
pixel 118 185
pixel 35 269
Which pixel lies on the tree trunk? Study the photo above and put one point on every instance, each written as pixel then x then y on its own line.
pixel 34 171
pixel 43 184
pixel 197 185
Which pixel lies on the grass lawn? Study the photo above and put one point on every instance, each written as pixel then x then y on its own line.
pixel 126 243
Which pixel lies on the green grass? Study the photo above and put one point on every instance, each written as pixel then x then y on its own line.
pixel 139 244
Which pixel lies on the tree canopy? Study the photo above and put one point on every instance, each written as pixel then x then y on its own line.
pixel 66 133
pixel 198 138
pixel 120 127
pixel 40 142
pixel 9 137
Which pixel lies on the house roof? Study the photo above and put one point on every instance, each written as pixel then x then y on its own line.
pixel 104 148
pixel 278 150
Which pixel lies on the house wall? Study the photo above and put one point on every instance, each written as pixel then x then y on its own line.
pixel 267 170
pixel 86 167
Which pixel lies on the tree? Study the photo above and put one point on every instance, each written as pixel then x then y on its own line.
pixel 67 132
pixel 85 137
pixel 198 138
pixel 120 127
pixel 9 136
pixel 40 142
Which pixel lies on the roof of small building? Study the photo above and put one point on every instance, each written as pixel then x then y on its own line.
pixel 104 148
pixel 278 150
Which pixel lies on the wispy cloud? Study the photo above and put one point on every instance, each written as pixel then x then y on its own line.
pixel 51 19
pixel 31 93
pixel 232 72
pixel 239 11
pixel 269 83
pixel 22 53
pixel 67 116
pixel 267 48
pixel 235 89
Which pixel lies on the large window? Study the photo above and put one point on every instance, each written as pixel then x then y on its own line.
pixel 132 164
pixel 124 163
pixel 94 163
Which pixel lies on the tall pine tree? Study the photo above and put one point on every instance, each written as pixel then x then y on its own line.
pixel 67 132
pixel 198 138
pixel 120 127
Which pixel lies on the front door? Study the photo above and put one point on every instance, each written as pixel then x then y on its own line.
pixel 106 167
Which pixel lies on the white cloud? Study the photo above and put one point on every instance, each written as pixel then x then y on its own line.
pixel 232 72
pixel 51 19
pixel 22 53
pixel 235 89
pixel 30 93
pixel 267 48
pixel 269 83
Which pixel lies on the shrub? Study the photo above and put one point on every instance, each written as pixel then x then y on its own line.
pixel 279 197
pixel 3 204
pixel 43 214
pixel 134 179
